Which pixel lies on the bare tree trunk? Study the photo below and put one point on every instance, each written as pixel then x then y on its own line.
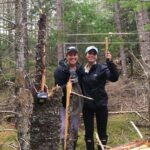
pixel 144 39
pixel 11 50
pixel 26 43
pixel 23 97
pixel 24 107
pixel 19 47
pixel 60 49
pixel 122 53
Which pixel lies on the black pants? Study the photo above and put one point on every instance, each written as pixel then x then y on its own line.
pixel 101 114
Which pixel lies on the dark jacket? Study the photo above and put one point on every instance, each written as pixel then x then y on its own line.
pixel 62 75
pixel 94 83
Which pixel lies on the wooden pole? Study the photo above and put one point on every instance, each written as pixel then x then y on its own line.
pixel 106 44
pixel 69 89
pixel 43 81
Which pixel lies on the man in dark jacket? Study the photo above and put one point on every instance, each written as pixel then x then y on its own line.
pixel 94 81
pixel 69 68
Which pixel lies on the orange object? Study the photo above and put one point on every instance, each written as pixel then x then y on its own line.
pixel 69 90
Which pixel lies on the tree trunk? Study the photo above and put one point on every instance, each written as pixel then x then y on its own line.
pixel 26 43
pixel 122 53
pixel 60 49
pixel 23 97
pixel 45 120
pixel 45 123
pixel 23 103
pixel 144 39
pixel 40 51
pixel 10 15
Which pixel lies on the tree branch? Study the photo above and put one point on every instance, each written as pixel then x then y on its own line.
pixel 7 20
pixel 9 112
pixel 138 131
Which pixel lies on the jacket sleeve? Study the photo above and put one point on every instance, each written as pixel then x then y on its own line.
pixel 112 72
pixel 59 79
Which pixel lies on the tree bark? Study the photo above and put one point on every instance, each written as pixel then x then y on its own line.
pixel 144 39
pixel 19 36
pixel 45 123
pixel 118 25
pixel 45 120
pixel 23 96
pixel 26 43
pixel 40 51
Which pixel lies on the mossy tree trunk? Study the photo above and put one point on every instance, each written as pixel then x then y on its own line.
pixel 45 123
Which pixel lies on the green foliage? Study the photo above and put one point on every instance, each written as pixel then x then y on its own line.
pixel 147 27
pixel 135 5
pixel 87 18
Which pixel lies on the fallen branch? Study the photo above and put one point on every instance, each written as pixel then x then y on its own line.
pixel 9 112
pixel 142 116
pixel 138 131
pixel 124 112
pixel 3 130
pixel 145 72
pixel 99 141
pixel 5 19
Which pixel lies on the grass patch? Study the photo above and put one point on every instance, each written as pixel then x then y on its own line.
pixel 120 131
pixel 7 138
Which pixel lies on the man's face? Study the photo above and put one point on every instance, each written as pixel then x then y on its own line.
pixel 91 56
pixel 72 58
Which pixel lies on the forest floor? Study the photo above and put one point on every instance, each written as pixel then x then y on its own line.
pixel 127 102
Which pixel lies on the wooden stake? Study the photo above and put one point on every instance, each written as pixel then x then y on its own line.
pixel 69 89
pixel 43 81
pixel 106 44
